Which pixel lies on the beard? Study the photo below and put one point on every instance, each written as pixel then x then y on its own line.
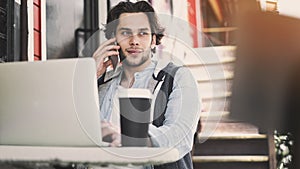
pixel 135 61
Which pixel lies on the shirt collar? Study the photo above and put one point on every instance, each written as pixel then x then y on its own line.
pixel 154 66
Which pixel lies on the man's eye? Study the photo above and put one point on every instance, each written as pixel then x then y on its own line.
pixel 143 33
pixel 126 33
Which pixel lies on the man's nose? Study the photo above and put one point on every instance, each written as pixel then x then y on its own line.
pixel 134 40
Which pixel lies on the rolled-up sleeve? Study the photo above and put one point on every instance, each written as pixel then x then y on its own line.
pixel 181 117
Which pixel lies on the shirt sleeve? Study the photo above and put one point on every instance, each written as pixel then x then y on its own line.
pixel 181 117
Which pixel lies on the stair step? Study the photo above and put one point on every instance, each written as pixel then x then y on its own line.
pixel 232 145
pixel 209 55
pixel 225 159
pixel 223 61
pixel 238 137
pixel 214 126
pixel 207 114
pixel 231 162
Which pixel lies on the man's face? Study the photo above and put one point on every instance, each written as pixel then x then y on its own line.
pixel 134 36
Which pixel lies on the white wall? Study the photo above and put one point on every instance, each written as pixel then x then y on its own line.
pixel 289 7
pixel 43 30
pixel 30 31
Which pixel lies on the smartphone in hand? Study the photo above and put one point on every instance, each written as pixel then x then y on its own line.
pixel 114 59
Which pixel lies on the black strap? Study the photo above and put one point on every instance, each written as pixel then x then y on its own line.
pixel 169 70
pixel 101 81
pixel 167 75
pixel 159 78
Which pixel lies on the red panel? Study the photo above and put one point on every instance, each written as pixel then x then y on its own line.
pixel 192 16
pixel 37 2
pixel 37 43
pixel 37 29
pixel 37 17
pixel 36 58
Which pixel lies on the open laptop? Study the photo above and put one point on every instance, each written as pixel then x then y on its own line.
pixel 50 103
pixel 50 111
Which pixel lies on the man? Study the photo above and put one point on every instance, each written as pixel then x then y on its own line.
pixel 137 32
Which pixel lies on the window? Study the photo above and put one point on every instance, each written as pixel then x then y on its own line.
pixel 10 31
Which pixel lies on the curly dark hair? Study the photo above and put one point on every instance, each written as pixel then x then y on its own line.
pixel 129 7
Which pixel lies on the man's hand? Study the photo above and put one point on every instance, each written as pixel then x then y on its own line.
pixel 111 133
pixel 105 50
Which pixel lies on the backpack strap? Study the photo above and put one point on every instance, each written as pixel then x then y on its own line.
pixel 166 76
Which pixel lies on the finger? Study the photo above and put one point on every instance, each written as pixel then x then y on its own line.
pixel 111 53
pixel 115 142
pixel 109 41
pixel 103 55
pixel 110 129
pixel 107 131
pixel 104 44
pixel 107 63
pixel 104 124
pixel 104 49
pixel 116 136
pixel 112 47
pixel 106 53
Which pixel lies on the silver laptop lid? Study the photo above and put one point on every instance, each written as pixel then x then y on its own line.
pixel 49 103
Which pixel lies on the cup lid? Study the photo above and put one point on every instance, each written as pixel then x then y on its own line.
pixel 134 93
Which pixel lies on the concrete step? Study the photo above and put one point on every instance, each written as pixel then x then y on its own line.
pixel 231 162
pixel 219 126
pixel 244 151
pixel 228 159
pixel 232 145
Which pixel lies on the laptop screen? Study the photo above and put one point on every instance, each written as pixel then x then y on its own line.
pixel 49 103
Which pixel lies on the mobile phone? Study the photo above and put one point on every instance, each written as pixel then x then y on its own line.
pixel 114 59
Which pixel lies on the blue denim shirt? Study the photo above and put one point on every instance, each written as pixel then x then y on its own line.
pixel 183 108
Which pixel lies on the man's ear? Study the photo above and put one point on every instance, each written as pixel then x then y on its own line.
pixel 153 43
